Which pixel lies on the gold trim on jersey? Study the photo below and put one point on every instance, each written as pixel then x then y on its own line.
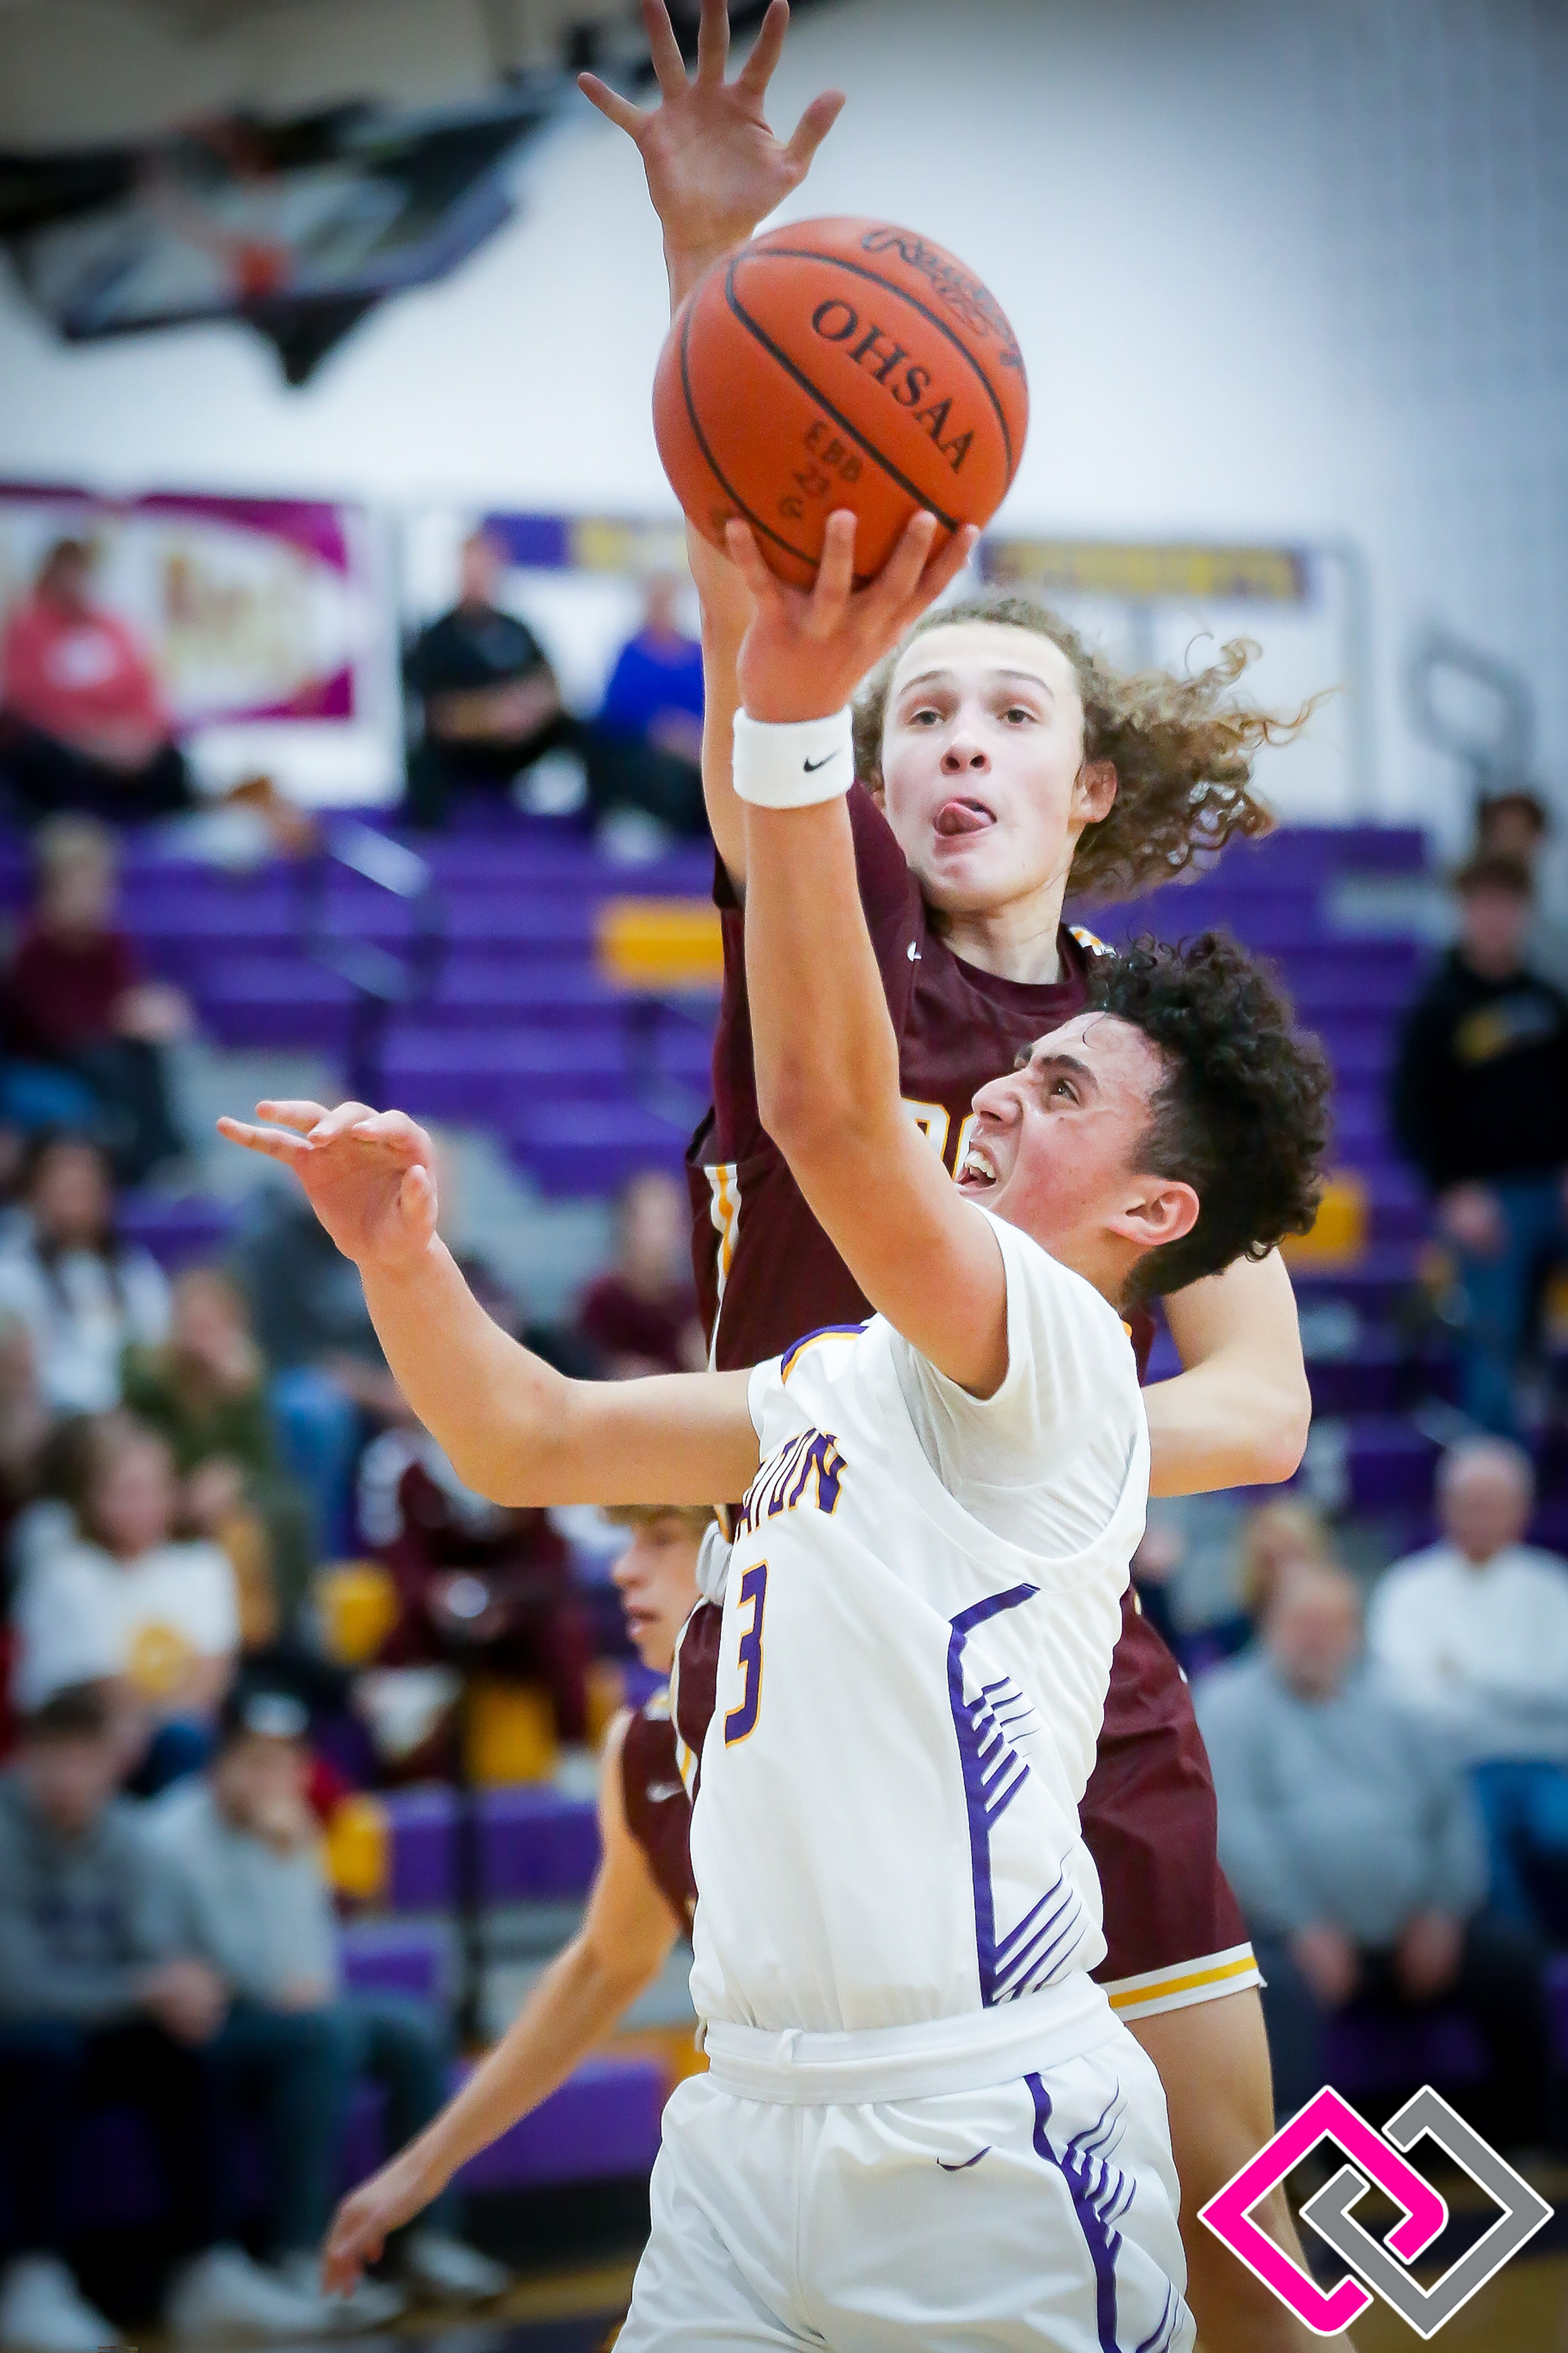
pixel 1187 1982
pixel 724 1210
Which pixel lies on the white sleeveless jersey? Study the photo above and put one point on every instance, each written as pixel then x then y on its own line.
pixel 885 1829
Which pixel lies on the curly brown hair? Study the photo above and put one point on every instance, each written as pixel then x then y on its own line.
pixel 1182 748
pixel 1243 1113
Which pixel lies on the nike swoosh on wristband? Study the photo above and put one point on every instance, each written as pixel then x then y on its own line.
pixel 811 766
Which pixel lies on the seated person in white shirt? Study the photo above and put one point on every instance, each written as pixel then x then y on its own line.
pixel 130 1601
pixel 1474 1631
pixel 894 1906
pixel 1355 1848
pixel 84 1295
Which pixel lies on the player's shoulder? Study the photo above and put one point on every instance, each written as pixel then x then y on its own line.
pixel 1093 946
pixel 1036 1278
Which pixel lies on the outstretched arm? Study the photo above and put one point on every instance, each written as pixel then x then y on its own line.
pixel 715 170
pixel 1239 1413
pixel 827 1059
pixel 617 1953
pixel 514 1430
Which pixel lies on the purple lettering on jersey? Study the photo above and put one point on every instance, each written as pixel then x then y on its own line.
pixel 811 1460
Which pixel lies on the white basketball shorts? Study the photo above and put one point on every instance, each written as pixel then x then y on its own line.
pixel 1038 2211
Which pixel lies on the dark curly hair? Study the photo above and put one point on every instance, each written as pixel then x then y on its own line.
pixel 1243 1115
pixel 1182 749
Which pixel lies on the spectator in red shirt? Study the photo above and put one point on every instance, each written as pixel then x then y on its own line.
pixel 641 1316
pixel 82 722
pixel 75 996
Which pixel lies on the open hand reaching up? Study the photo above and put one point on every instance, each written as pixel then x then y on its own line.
pixel 368 1175
pixel 714 168
pixel 807 650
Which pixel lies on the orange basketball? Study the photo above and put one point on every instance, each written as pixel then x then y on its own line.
pixel 839 363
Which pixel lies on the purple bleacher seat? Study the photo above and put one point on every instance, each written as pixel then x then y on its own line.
pixel 534 1844
pixel 408 1956
pixel 1375 1284
pixel 594 1148
pixel 1391 1465
pixel 603 2122
pixel 537 1844
pixel 178 1231
pixel 423 1867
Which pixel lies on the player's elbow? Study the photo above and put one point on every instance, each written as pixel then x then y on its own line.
pixel 1279 1417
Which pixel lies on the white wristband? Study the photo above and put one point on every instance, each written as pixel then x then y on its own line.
pixel 795 764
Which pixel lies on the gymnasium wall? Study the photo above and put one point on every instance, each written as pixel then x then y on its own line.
pixel 1290 273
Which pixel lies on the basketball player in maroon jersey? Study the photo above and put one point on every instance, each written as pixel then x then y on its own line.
pixel 643 1899
pixel 965 852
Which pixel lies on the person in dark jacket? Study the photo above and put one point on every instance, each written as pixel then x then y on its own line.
pixel 486 697
pixel 1480 1106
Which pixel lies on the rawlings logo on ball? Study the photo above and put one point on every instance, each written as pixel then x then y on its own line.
pixel 975 304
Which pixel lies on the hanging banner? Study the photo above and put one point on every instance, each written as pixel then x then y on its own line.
pixel 248 608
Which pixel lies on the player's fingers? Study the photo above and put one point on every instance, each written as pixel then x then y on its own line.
pixel 271 1141
pixel 669 64
pixel 416 1197
pixel 712 40
pixel 900 576
pixel 338 1122
pixel 814 127
pixel 766 51
pixel 740 546
pixel 395 1128
pixel 620 110
pixel 945 566
pixel 291 1112
pixel 835 572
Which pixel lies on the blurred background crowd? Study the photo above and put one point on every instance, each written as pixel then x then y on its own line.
pixel 399 797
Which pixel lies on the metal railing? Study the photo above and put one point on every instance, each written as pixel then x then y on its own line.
pixel 384 980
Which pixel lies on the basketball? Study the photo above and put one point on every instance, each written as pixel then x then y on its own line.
pixel 839 363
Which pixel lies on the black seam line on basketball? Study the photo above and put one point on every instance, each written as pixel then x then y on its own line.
pixel 858 269
pixel 717 471
pixel 805 383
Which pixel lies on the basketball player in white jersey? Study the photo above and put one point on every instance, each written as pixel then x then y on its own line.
pixel 923 2125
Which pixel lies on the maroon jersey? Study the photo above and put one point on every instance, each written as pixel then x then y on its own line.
pixel 767 1274
pixel 658 1812
pixel 765 1270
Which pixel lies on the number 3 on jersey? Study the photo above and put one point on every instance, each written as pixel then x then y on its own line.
pixel 742 1720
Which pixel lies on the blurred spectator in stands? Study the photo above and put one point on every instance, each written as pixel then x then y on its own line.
pixel 642 1898
pixel 1474 1633
pixel 1357 1854
pixel 103 2004
pixel 75 995
pixel 130 1601
pixel 205 1391
pixel 641 1316
pixel 24 1420
pixel 648 753
pixel 84 1295
pixel 1275 1539
pixel 488 701
pixel 245 1843
pixel 478 1584
pixel 1518 824
pixel 329 1389
pixel 1480 1105
pixel 82 722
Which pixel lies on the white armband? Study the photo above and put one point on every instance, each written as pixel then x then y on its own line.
pixel 794 764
